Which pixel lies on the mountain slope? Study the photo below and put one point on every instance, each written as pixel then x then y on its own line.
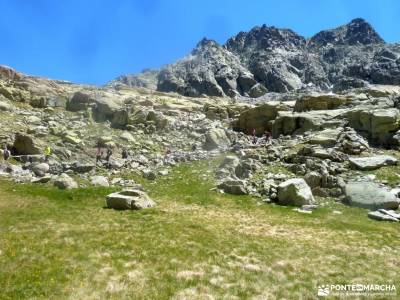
pixel 279 60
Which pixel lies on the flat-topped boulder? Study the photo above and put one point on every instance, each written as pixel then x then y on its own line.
pixel 320 102
pixel 379 124
pixel 258 117
pixel 327 137
pixel 370 195
pixel 133 199
pixel 288 123
pixel 372 162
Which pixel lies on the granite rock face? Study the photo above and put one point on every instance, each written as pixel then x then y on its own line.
pixel 269 59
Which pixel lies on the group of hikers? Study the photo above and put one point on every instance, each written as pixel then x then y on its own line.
pixel 105 154
pixel 101 152
pixel 267 137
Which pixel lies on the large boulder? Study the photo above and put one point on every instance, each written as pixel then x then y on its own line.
pixel 370 195
pixel 295 192
pixel 106 107
pixel 129 199
pixel 288 123
pixel 4 105
pixel 372 162
pixel 216 138
pixel 320 102
pixel 379 124
pixel 40 169
pixel 80 101
pixel 258 118
pixel 25 144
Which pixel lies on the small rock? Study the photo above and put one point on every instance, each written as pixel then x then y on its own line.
pixel 129 199
pixel 99 181
pixel 377 215
pixel 65 182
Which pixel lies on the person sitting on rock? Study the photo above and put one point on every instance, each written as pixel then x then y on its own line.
pixel 47 153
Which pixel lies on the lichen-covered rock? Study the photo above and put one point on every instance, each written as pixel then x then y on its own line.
pixel 216 138
pixel 259 117
pixel 40 169
pixel 234 186
pixel 295 192
pixel 288 123
pixel 129 199
pixel 372 162
pixel 26 145
pixel 80 101
pixel 370 195
pixel 379 124
pixel 65 182
pixel 320 102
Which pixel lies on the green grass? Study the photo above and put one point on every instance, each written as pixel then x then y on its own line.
pixel 390 174
pixel 196 244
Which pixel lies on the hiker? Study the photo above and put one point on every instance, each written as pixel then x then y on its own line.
pixel 254 137
pixel 108 156
pixel 47 153
pixel 268 137
pixel 194 147
pixel 6 153
pixel 99 155
pixel 124 154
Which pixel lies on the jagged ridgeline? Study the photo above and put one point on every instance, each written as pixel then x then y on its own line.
pixel 279 60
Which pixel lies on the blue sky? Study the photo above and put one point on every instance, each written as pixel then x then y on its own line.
pixel 93 41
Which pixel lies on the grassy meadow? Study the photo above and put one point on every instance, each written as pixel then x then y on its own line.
pixel 196 244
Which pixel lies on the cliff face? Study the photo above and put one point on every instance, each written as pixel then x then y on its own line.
pixel 279 60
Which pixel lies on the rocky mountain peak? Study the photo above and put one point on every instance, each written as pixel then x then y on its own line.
pixel 206 45
pixel 269 59
pixel 264 37
pixel 357 32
